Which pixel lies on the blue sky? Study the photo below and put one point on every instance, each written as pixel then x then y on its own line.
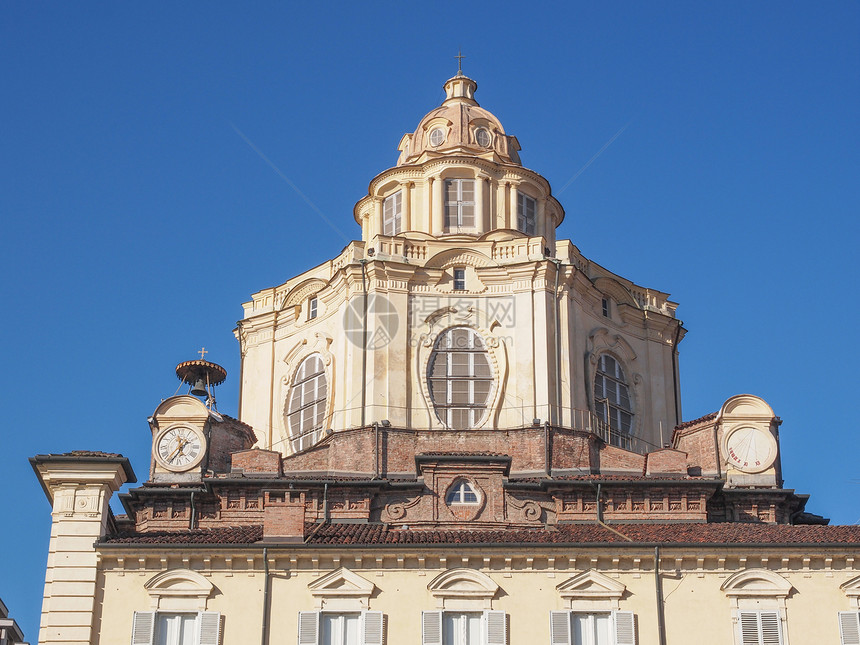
pixel 135 220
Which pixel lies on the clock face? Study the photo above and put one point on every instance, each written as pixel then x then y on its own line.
pixel 179 448
pixel 750 450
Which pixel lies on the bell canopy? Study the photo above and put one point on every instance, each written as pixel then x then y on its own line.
pixel 459 127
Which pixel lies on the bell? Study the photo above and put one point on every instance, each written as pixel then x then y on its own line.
pixel 199 388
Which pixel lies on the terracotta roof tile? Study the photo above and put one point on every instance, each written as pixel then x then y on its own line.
pixel 686 424
pixel 225 535
pixel 381 534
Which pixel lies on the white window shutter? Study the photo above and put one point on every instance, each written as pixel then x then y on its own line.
pixel 748 627
pixel 143 628
pixel 771 628
pixel 210 627
pixel 431 627
pixel 309 627
pixel 495 628
pixel 849 627
pixel 625 627
pixel 371 628
pixel 559 627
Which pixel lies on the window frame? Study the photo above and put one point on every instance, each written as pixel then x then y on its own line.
pixel 622 626
pixel 444 389
pixel 433 131
pixel 313 307
pixel 145 627
pixel 759 638
pixel 494 626
pixel 300 437
pixel 525 223
pixel 459 278
pixel 612 412
pixel 458 491
pixel 459 206
pixel 371 626
pixel 392 213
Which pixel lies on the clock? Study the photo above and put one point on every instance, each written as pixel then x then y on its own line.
pixel 750 449
pixel 179 448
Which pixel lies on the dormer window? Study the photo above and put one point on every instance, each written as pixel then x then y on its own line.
pixel 483 137
pixel 462 492
pixel 392 208
pixel 437 137
pixel 526 209
pixel 459 204
pixel 313 307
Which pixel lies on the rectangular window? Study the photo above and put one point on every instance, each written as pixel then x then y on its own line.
pixel 312 308
pixel 606 308
pixel 599 628
pixel 526 209
pixel 463 628
pixel 392 208
pixel 459 279
pixel 459 204
pixel 187 628
pixel 340 628
pixel 759 628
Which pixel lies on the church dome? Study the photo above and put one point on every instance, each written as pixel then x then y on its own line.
pixel 459 127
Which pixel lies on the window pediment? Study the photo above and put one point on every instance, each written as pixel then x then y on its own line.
pixel 463 589
pixel 757 583
pixel 179 589
pixel 851 588
pixel 342 589
pixel 593 585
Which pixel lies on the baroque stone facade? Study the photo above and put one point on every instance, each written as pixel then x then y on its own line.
pixel 460 431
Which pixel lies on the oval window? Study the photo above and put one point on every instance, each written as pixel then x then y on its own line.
pixel 460 378
pixel 306 406
pixel 437 136
pixel 482 136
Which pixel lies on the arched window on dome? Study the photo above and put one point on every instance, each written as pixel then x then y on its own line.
pixel 460 378
pixel 306 407
pixel 612 401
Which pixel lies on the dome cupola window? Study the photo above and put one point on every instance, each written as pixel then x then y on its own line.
pixel 459 205
pixel 612 400
pixel 437 137
pixel 392 208
pixel 526 211
pixel 460 378
pixel 306 408
pixel 483 137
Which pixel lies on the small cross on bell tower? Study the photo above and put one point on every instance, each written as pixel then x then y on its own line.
pixel 201 377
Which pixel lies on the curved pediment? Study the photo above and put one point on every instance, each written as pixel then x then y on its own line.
pixel 757 582
pixel 182 406
pixel 591 584
pixel 179 589
pixel 302 291
pixel 615 290
pixel 460 257
pixel 746 405
pixel 463 583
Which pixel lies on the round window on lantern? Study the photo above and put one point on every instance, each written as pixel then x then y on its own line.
pixel 483 138
pixel 437 137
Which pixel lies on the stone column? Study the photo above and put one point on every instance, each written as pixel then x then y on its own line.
pixel 512 205
pixel 438 218
pixel 406 221
pixel 480 211
pixel 79 486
